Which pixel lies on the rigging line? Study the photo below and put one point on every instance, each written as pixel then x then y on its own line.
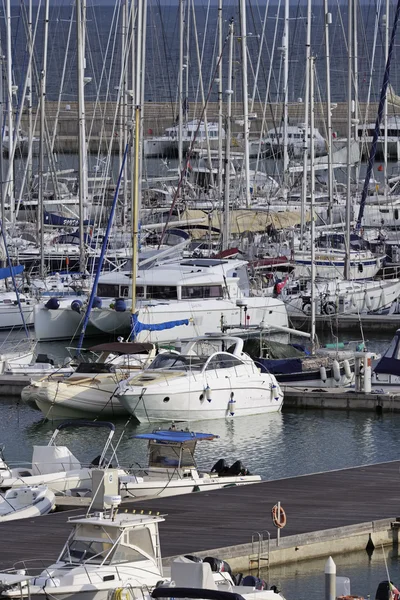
pixel 168 58
pixel 381 106
pixel 190 150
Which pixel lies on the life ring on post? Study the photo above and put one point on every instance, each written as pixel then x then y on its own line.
pixel 278 519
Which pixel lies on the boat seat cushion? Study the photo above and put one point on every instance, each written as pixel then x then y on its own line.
pixel 186 573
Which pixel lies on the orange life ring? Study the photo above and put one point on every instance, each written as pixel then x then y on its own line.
pixel 279 520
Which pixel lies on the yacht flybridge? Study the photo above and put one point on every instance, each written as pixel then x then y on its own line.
pixel 172 469
pixel 204 293
pixel 103 552
pixel 211 379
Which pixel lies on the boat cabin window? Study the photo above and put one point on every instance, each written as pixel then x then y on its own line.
pixel 223 361
pixel 201 291
pixel 90 543
pixel 161 292
pixel 177 362
pixel 171 455
pixel 79 551
pixel 89 368
pixel 110 290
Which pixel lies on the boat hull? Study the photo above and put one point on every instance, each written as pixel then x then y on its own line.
pixel 191 404
pixel 178 487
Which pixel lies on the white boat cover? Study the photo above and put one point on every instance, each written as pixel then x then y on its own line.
pixel 53 459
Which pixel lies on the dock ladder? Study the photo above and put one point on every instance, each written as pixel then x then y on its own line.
pixel 260 548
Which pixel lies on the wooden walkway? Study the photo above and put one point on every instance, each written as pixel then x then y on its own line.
pixel 228 517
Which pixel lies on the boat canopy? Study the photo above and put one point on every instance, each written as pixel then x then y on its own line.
pixel 173 436
pixel 123 348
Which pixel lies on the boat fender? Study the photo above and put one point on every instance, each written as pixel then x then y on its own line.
pixel 347 369
pixel 231 405
pixel 367 300
pixel 322 374
pixel 207 392
pixel 97 302
pixel 52 304
pixel 76 306
pixel 120 305
pixel 275 391
pixel 336 370
pixel 329 308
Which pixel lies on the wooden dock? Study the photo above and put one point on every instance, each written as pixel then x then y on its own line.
pixel 225 518
pixel 342 398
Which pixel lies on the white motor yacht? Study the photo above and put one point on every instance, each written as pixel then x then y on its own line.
pixel 89 390
pixel 26 502
pixel 211 379
pixel 193 133
pixel 104 552
pixel 55 466
pixel 272 144
pixel 335 296
pixel 172 470
pixel 177 300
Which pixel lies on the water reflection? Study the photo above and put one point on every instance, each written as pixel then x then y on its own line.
pixel 306 580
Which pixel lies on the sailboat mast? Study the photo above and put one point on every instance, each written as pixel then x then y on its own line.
pixel 43 82
pixel 385 110
pixel 349 123
pixel 311 62
pixel 29 100
pixel 306 126
pixel 285 50
pixel 180 85
pixel 220 103
pixel 10 115
pixel 83 192
pixel 139 74
pixel 245 102
pixel 328 19
pixel 229 93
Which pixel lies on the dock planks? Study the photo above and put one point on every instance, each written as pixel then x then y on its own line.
pixel 207 520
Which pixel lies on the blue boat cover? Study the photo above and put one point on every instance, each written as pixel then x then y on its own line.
pixel 280 366
pixel 390 361
pixel 137 326
pixel 6 271
pixel 171 435
pixel 60 221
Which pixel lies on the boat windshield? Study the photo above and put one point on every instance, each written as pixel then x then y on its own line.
pixel 95 552
pixel 177 362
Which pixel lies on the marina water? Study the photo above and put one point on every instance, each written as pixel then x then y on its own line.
pixel 275 446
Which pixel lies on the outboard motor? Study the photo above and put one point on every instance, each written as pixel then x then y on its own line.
pixel 217 565
pixel 238 468
pixel 386 590
pixel 254 582
pixel 221 467
pixel 195 559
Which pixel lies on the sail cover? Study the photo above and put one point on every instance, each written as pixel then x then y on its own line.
pixel 137 326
